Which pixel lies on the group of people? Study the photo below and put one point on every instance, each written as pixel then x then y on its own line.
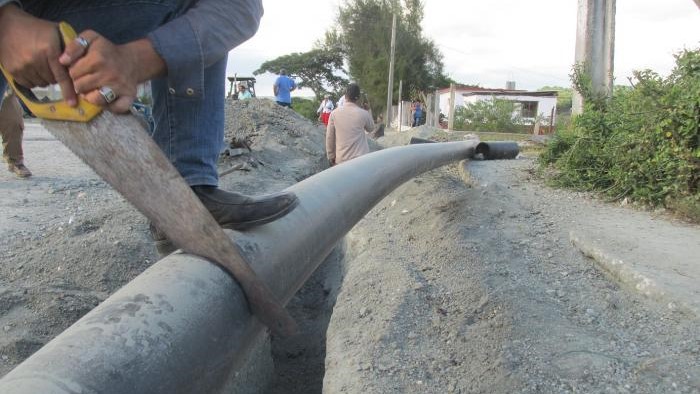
pixel 347 124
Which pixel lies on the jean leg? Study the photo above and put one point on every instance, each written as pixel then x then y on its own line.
pixel 191 130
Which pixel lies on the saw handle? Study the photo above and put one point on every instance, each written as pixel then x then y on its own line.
pixel 55 110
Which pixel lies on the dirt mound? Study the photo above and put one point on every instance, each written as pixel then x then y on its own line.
pixel 269 146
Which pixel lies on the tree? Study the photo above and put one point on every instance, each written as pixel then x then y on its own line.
pixel 317 69
pixel 364 31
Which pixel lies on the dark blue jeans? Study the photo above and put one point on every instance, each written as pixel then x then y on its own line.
pixel 189 130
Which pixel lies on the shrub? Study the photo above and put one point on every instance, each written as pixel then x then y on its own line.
pixel 495 115
pixel 643 143
pixel 306 107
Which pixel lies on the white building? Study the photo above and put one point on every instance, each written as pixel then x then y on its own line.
pixel 529 105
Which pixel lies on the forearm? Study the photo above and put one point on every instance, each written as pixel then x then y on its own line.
pixel 151 63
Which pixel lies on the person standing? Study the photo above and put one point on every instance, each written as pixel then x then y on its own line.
pixel 346 134
pixel 324 110
pixel 283 88
pixel 12 129
pixel 417 113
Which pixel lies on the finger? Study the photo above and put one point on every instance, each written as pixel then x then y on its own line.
pixel 98 98
pixel 86 83
pixel 24 81
pixel 77 48
pixel 45 75
pixel 90 63
pixel 31 79
pixel 121 105
pixel 60 74
pixel 95 97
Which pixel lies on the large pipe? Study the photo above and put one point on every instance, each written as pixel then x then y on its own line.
pixel 183 325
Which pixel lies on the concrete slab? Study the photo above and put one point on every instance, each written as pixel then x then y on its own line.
pixel 656 258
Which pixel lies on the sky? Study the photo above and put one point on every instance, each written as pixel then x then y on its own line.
pixel 489 42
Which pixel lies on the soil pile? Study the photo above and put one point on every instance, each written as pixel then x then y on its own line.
pixel 269 147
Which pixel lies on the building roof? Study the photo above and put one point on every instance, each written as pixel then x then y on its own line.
pixel 466 90
pixel 469 88
pixel 239 79
pixel 544 93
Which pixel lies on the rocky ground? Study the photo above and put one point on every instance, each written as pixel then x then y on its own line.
pixel 475 288
pixel 462 280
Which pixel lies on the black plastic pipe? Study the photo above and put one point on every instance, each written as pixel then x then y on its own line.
pixel 498 150
pixel 490 150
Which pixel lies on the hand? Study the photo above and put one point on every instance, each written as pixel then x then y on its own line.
pixel 29 51
pixel 119 67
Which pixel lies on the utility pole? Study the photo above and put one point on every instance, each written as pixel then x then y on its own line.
pixel 595 46
pixel 451 120
pixel 400 103
pixel 390 89
pixel 436 108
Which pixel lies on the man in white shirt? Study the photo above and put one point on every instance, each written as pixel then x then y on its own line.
pixel 346 134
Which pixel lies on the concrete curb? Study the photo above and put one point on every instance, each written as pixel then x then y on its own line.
pixel 465 174
pixel 624 272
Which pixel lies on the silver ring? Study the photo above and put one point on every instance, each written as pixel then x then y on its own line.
pixel 83 42
pixel 108 94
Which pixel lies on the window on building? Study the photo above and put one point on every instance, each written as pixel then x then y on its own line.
pixel 528 109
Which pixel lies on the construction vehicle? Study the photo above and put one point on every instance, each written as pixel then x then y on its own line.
pixel 248 82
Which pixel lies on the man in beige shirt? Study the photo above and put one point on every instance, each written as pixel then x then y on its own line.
pixel 346 136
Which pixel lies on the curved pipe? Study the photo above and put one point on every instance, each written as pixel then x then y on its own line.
pixel 183 325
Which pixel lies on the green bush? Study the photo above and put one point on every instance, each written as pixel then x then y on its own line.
pixel 489 115
pixel 643 143
pixel 306 107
